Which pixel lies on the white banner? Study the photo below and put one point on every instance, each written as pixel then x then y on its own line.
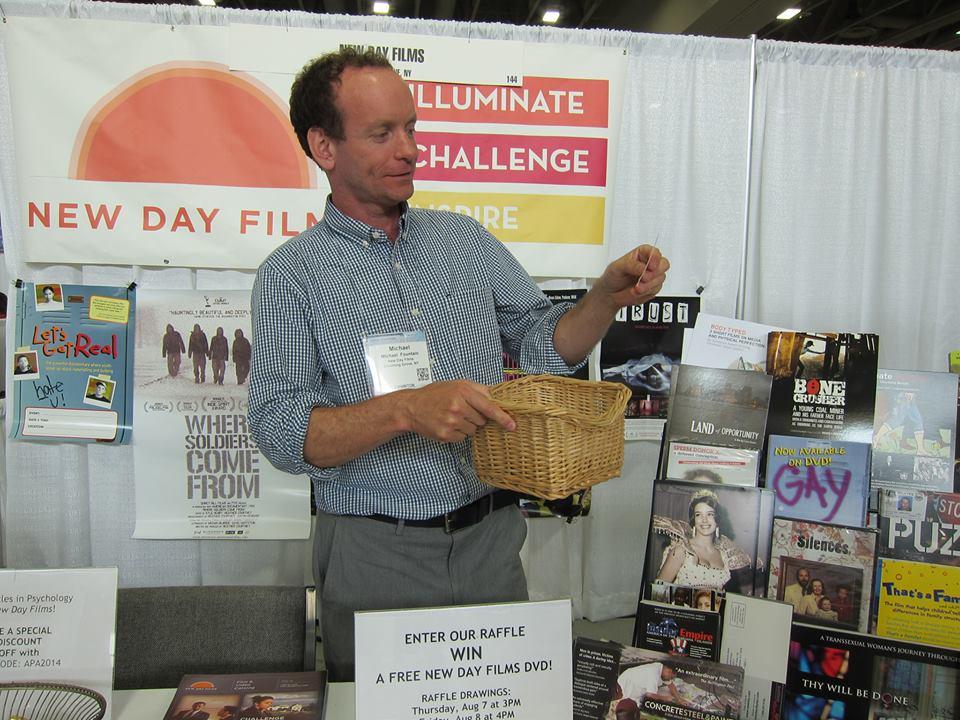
pixel 476 662
pixel 199 473
pixel 150 144
pixel 57 626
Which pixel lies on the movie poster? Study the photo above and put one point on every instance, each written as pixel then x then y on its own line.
pixel 921 526
pixel 919 602
pixel 642 346
pixel 709 537
pixel 824 571
pixel 836 674
pixel 72 362
pixel 616 681
pixel 824 384
pixel 199 473
pixel 914 432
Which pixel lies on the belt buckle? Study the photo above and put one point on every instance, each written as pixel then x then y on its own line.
pixel 467 515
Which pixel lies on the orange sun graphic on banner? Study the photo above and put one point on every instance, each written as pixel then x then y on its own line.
pixel 191 123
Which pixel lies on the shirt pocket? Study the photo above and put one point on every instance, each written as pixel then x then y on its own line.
pixel 475 335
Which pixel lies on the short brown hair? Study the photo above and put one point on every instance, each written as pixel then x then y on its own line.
pixel 313 94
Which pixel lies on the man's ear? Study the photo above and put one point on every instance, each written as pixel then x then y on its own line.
pixel 322 148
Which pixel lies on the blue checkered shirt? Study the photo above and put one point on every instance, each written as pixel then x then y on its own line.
pixel 319 294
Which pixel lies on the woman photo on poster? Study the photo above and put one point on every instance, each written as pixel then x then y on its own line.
pixel 701 553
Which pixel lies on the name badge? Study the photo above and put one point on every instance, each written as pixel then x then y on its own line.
pixel 398 361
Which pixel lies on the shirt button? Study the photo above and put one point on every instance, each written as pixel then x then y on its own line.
pixel 398 266
pixel 415 311
pixel 366 243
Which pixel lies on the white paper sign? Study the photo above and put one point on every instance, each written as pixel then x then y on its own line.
pixel 746 619
pixel 58 626
pixel 478 662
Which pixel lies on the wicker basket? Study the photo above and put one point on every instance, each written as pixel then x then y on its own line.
pixel 569 436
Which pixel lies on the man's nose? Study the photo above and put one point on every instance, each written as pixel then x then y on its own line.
pixel 407 148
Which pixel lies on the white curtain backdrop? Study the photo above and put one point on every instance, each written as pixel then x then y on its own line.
pixel 878 129
pixel 855 211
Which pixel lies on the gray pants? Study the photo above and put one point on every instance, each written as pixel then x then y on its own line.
pixel 363 564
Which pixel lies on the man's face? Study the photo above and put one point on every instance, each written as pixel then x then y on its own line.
pixel 842 593
pixel 198 705
pixel 23 364
pixel 803 576
pixel 667 674
pixel 373 166
pixel 101 390
pixel 265 704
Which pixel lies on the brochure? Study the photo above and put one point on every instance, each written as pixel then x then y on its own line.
pixel 73 363
pixel 281 696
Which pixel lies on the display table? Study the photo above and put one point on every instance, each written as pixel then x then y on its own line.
pixel 152 704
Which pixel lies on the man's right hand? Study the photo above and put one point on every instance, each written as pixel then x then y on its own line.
pixel 450 411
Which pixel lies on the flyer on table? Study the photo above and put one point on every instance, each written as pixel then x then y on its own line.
pixel 199 473
pixel 72 362
pixel 57 626
pixel 503 661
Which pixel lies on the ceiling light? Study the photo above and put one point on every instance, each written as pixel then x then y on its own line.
pixel 551 16
pixel 788 14
pixel 208 3
pixel 381 8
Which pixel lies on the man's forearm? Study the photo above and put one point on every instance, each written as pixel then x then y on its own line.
pixel 340 434
pixel 580 329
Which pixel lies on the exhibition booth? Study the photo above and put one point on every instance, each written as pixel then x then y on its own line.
pixel 796 185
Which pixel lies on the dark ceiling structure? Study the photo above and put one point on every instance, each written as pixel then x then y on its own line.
pixel 930 24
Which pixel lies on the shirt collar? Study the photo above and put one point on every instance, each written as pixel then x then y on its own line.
pixel 354 229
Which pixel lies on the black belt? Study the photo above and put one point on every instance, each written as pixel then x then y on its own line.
pixel 461 517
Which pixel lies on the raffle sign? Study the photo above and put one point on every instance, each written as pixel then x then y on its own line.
pixel 199 473
pixel 57 626
pixel 521 136
pixel 482 662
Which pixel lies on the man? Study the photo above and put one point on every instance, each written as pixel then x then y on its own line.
pixel 198 349
pixel 843 605
pixel 172 348
pixel 219 354
pixel 644 682
pixel 23 366
pixel 195 713
pixel 794 592
pixel 241 356
pixel 260 707
pixel 99 392
pixel 402 520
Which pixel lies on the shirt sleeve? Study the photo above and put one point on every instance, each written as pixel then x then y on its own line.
pixel 526 316
pixel 285 377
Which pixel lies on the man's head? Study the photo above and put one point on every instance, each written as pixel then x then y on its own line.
pixel 842 592
pixel 667 673
pixel 100 389
pixel 23 364
pixel 313 94
pixel 199 705
pixel 355 117
pixel 803 576
pixel 263 702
